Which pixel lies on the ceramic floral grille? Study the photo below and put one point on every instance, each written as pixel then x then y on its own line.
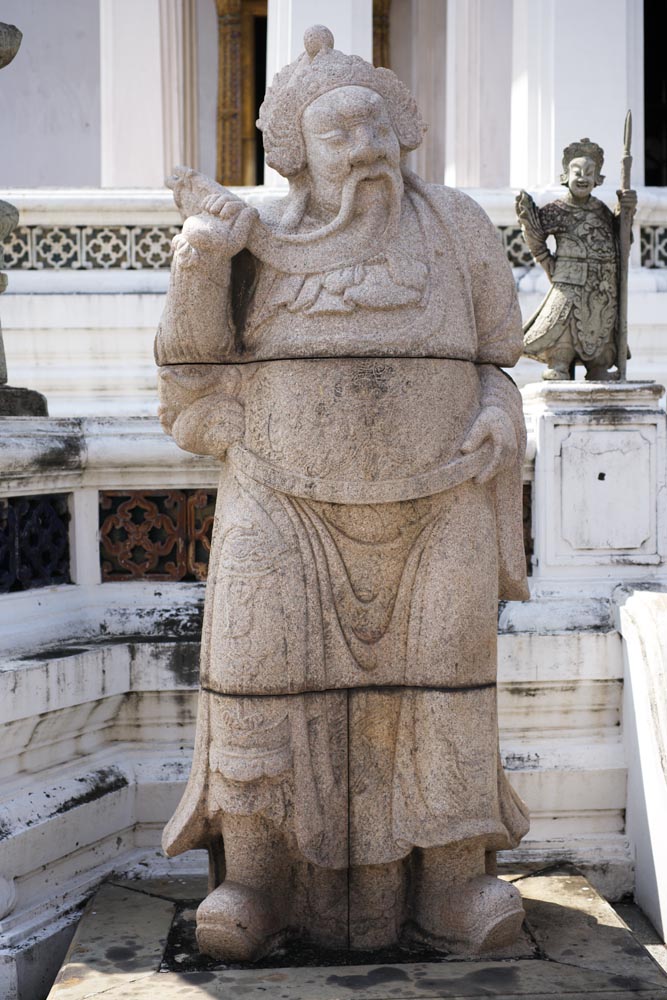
pixel 156 534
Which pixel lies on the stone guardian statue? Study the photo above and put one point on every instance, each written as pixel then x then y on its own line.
pixel 578 321
pixel 340 349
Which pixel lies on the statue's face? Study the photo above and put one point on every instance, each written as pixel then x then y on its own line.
pixel 581 176
pixel 348 131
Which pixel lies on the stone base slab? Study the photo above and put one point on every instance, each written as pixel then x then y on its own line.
pixel 17 402
pixel 133 942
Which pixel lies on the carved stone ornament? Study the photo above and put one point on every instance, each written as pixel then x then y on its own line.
pixel 340 351
pixel 583 315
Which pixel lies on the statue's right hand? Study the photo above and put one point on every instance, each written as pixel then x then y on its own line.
pixel 223 232
pixel 208 426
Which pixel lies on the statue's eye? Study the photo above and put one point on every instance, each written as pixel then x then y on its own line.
pixel 337 135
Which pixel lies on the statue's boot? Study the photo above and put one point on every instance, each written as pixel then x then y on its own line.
pixel 477 916
pixel 557 373
pixel 238 924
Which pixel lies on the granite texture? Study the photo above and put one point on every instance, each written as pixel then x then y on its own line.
pixel 578 321
pixel 340 352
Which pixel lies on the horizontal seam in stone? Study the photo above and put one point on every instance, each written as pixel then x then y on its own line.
pixel 383 688
pixel 328 357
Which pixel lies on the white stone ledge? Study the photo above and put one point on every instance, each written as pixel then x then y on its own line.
pixel 44 454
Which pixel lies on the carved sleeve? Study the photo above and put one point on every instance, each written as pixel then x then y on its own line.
pixel 495 303
pixel 197 323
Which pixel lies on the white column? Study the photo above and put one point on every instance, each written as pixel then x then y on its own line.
pixel 351 22
pixel 84 537
pixel 132 135
pixel 478 67
pixel 577 68
pixel 417 40
pixel 178 60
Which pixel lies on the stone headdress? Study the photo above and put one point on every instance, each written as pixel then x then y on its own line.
pixel 319 69
pixel 583 148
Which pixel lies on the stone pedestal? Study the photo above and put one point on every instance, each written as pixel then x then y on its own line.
pixel 135 942
pixel 599 515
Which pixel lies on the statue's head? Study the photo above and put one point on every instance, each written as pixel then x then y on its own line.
pixel 329 114
pixel 582 167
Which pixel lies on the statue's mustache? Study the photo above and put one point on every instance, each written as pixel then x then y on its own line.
pixel 391 178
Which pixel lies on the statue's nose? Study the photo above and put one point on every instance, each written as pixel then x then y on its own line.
pixel 368 149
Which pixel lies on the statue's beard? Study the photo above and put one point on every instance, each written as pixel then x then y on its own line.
pixel 372 192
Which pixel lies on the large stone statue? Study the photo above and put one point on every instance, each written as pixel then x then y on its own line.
pixel 579 318
pixel 341 350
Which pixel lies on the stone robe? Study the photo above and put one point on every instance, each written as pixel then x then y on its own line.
pixel 349 644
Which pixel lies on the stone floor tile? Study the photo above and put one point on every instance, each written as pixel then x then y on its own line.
pixel 574 925
pixel 120 938
pixel 192 887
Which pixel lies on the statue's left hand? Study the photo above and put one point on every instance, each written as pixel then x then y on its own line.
pixel 495 426
pixel 628 200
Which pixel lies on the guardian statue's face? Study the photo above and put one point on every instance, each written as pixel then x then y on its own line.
pixel 581 176
pixel 347 132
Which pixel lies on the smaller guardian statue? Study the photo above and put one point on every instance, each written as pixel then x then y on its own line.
pixel 579 320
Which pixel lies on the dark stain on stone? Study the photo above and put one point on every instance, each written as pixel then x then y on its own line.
pixel 64 452
pixel 55 653
pixel 183 662
pixel 5 830
pixel 97 784
pixel 118 953
pixel 197 977
pixel 374 977
pixel 496 976
pixel 628 982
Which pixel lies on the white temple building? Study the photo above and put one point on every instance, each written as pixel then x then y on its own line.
pixel 105 524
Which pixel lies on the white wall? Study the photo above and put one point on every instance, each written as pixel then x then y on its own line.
pixel 50 95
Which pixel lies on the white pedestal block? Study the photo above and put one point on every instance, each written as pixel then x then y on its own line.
pixel 599 496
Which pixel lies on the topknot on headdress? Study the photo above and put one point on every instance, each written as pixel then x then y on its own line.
pixel 583 148
pixel 319 69
pixel 317 38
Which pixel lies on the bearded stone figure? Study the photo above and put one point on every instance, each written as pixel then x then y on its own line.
pixel 340 350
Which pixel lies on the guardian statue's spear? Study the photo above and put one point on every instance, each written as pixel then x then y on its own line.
pixel 625 235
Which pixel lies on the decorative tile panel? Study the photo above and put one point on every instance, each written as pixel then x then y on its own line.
pixel 56 247
pixel 156 534
pixel 34 542
pixel 17 249
pixel 149 247
pixel 106 246
pixel 516 248
pixel 89 247
pixel 654 246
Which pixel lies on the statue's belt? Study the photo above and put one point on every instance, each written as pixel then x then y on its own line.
pixel 422 484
